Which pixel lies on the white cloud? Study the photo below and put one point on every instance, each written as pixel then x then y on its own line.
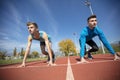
pixel 52 22
pixel 3 34
pixel 9 45
pixel 13 33
pixel 12 23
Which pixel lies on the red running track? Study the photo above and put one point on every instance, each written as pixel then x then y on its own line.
pixel 102 67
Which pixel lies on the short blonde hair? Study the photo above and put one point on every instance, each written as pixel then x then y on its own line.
pixel 32 23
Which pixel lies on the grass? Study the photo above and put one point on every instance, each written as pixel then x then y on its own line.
pixel 14 61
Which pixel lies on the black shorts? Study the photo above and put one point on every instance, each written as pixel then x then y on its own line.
pixel 42 43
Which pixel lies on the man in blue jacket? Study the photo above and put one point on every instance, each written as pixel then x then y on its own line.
pixel 86 37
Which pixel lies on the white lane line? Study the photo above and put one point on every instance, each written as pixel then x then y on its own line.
pixel 60 65
pixel 93 62
pixel 69 75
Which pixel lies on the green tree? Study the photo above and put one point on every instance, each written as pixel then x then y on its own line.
pixel 35 54
pixel 22 52
pixel 2 54
pixel 67 46
pixel 15 52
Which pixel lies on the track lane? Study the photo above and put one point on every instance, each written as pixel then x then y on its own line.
pixel 102 67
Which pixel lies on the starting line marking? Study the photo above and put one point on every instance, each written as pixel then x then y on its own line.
pixel 59 65
pixel 69 75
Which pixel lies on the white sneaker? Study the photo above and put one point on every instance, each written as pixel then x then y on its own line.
pixel 117 56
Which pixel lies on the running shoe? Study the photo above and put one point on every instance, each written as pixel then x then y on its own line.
pixel 90 56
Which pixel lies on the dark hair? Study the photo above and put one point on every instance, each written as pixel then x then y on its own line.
pixel 92 16
pixel 32 23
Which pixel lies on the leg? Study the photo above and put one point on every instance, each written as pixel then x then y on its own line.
pixel 94 48
pixel 85 54
pixel 42 45
pixel 93 45
pixel 53 55
pixel 85 50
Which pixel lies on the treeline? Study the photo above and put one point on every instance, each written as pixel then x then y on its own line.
pixel 66 47
pixel 3 54
pixel 33 54
pixel 16 54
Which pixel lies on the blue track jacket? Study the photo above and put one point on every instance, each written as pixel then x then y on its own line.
pixel 87 34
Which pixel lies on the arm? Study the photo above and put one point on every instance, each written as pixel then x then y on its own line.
pixel 27 48
pixel 105 42
pixel 82 41
pixel 45 37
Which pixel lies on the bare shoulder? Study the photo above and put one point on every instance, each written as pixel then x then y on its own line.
pixel 29 38
pixel 45 35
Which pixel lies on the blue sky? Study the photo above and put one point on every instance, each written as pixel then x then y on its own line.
pixel 59 18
